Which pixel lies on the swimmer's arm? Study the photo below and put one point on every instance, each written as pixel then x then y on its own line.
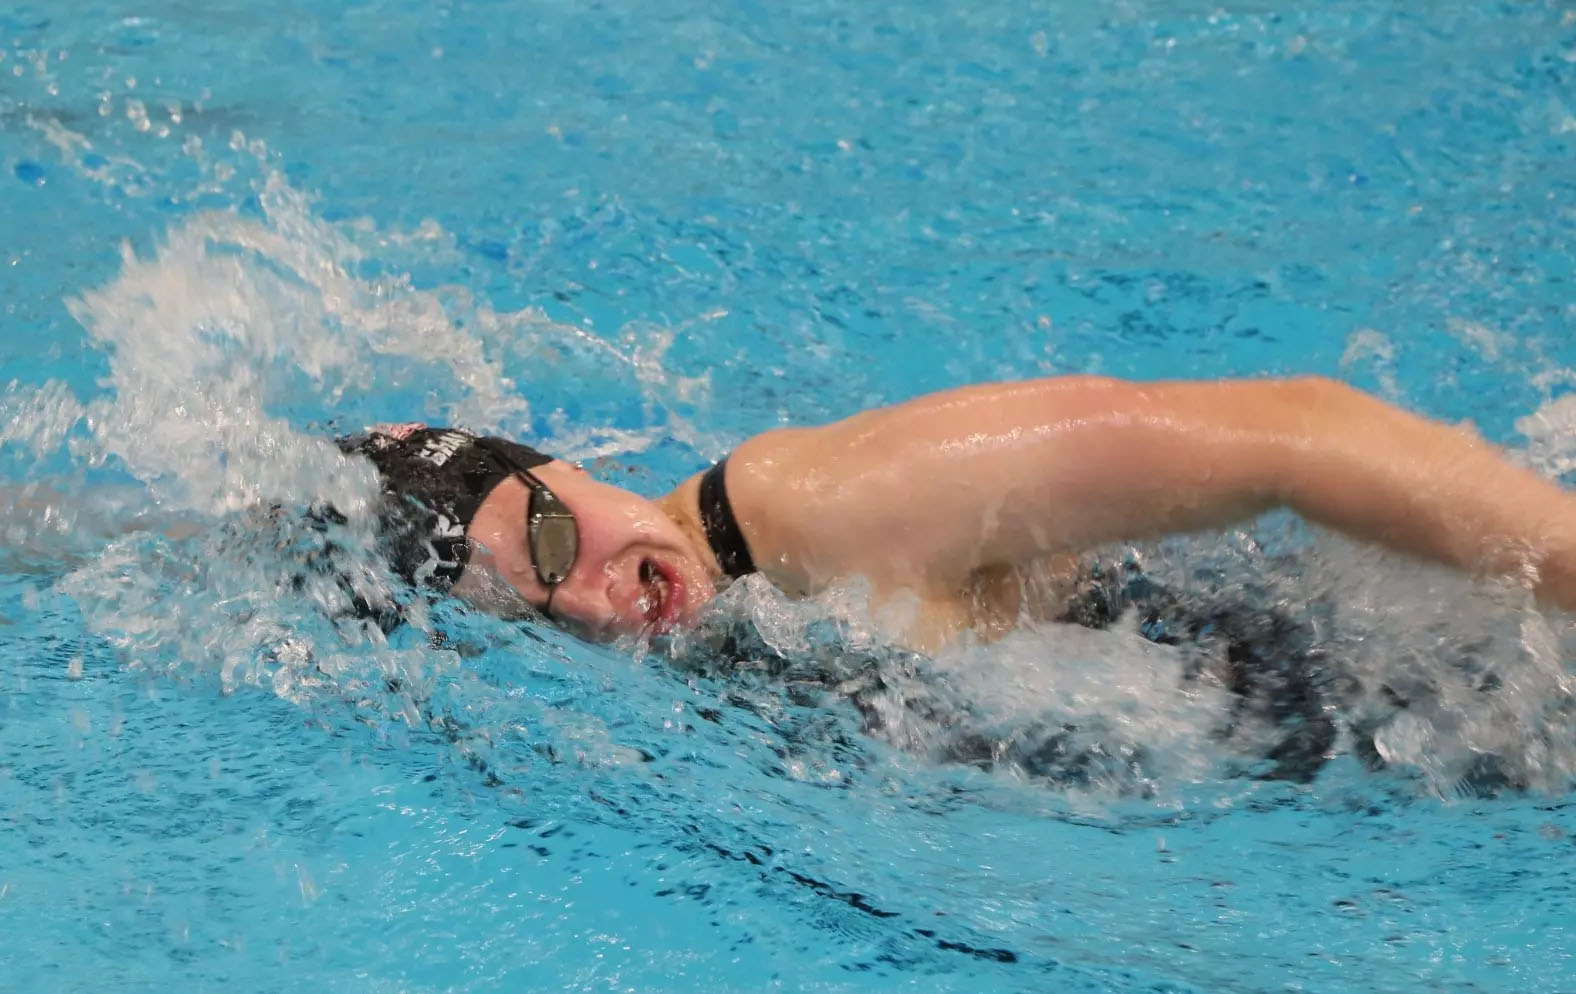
pixel 941 486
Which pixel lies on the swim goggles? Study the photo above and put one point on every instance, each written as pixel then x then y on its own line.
pixel 552 534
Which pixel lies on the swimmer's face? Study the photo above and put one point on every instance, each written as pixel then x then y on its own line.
pixel 636 571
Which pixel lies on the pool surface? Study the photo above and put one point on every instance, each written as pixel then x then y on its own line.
pixel 638 233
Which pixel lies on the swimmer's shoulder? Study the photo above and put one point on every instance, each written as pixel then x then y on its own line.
pixel 757 480
pixel 797 496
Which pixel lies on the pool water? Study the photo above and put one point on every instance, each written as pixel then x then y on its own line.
pixel 640 232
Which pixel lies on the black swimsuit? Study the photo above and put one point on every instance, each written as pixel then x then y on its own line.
pixel 722 528
pixel 1273 664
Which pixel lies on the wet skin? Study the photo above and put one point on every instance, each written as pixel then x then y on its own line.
pixel 944 496
pixel 641 567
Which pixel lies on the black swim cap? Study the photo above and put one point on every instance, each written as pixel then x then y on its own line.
pixel 434 479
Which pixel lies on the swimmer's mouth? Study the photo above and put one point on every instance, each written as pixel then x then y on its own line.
pixel 662 595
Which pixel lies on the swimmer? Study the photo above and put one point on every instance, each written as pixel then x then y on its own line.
pixel 945 500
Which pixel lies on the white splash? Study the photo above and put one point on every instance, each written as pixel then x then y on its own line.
pixel 1551 436
pixel 232 316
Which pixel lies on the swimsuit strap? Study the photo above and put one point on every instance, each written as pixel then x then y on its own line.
pixel 722 528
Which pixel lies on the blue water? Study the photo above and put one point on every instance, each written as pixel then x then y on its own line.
pixel 640 232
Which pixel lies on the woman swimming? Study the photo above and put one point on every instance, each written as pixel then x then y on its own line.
pixel 946 498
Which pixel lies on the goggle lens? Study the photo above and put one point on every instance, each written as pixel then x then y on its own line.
pixel 555 538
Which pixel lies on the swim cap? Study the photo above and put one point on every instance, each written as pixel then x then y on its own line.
pixel 434 479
